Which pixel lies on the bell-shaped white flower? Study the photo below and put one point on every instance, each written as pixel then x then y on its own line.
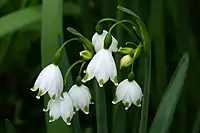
pixel 49 80
pixel 102 67
pixel 61 107
pixel 98 42
pixel 128 92
pixel 81 97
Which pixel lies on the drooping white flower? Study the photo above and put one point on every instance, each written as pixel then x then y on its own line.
pixel 102 67
pixel 98 42
pixel 49 80
pixel 61 107
pixel 81 97
pixel 128 92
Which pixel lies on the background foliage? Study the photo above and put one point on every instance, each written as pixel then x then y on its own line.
pixel 173 26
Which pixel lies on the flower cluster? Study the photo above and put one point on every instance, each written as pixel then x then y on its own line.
pixel 101 66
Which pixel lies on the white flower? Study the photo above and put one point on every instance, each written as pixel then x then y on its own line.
pixel 81 97
pixel 98 42
pixel 102 66
pixel 49 80
pixel 128 93
pixel 61 107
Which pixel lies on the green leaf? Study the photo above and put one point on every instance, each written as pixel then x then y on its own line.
pixel 21 18
pixel 164 115
pixel 128 11
pixel 52 38
pixel 73 31
pixel 196 126
pixel 101 111
pixel 9 127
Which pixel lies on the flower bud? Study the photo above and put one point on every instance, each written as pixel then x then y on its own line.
pixel 107 40
pixel 99 29
pixel 125 50
pixel 126 61
pixel 86 55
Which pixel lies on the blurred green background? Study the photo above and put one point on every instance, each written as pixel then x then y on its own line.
pixel 173 26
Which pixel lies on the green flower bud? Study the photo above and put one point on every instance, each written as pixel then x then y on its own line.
pixel 86 55
pixel 107 40
pixel 99 29
pixel 126 61
pixel 78 81
pixel 125 50
pixel 131 77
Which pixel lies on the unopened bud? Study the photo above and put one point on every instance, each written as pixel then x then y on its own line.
pixel 86 55
pixel 126 61
pixel 125 50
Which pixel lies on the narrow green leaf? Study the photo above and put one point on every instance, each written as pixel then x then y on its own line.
pixel 22 18
pixel 73 31
pixel 101 112
pixel 147 85
pixel 52 38
pixel 164 115
pixel 128 11
pixel 196 126
pixel 9 127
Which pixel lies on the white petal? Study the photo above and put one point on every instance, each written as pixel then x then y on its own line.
pixel 98 42
pixel 113 70
pixel 102 74
pixel 81 97
pixel 136 93
pixel 121 91
pixel 92 67
pixel 66 108
pixel 54 111
pixel 127 101
pixel 57 84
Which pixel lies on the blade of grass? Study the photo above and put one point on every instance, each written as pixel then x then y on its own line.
pixel 52 37
pixel 196 126
pixel 101 112
pixel 170 98
pixel 9 127
pixel 22 18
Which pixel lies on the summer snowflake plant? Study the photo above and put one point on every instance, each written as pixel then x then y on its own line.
pixel 98 55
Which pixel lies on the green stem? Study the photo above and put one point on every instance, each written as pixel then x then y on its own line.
pixel 68 41
pixel 67 73
pixel 81 68
pixel 119 22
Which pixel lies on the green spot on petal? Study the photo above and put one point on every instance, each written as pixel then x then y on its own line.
pixel 115 80
pixel 126 104
pixel 86 76
pixel 138 102
pixel 115 99
pixel 51 118
pixel 68 120
pixel 86 109
pixel 40 92
pixel 101 82
pixel 53 97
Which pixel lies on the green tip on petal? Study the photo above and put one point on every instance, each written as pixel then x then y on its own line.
pixel 114 100
pixel 86 110
pixel 116 80
pixel 138 102
pixel 53 97
pixel 126 105
pixel 85 77
pixel 68 121
pixel 101 82
pixel 51 119
pixel 39 93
